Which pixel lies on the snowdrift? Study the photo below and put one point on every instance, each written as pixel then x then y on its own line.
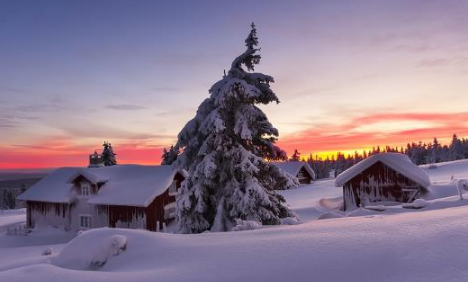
pixel 422 246
pixel 91 250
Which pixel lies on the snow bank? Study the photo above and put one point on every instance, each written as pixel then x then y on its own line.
pixel 417 204
pixel 361 212
pixel 90 250
pixel 365 249
pixel 446 170
pixel 437 191
pixel 290 221
pixel 246 225
pixel 330 214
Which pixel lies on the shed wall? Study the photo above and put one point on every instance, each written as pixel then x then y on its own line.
pixel 379 183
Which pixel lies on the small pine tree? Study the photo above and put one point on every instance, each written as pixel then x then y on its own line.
pixel 108 155
pixel 169 157
pixel 224 150
pixel 5 199
pixel 9 201
pixel 296 156
pixel 23 188
pixel 455 149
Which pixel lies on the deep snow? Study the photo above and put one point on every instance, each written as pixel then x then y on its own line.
pixel 385 243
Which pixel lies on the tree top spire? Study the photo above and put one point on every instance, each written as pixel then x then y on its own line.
pixel 249 58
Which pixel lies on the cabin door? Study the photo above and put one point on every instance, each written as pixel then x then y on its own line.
pixel 410 193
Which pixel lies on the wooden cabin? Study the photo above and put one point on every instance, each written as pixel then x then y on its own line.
pixel 386 177
pixel 124 196
pixel 302 170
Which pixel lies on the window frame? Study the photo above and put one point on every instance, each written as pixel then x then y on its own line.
pixel 85 186
pixel 89 218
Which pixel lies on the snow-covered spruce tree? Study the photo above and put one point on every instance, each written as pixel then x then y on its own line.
pixel 296 156
pixel 169 157
pixel 224 150
pixel 108 155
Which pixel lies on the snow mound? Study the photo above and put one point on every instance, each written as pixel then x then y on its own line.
pixel 90 251
pixel 242 225
pixel 360 212
pixel 420 203
pixel 331 203
pixel 289 221
pixel 329 215
pixel 437 191
pixel 379 208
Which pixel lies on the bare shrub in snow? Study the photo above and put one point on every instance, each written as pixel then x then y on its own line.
pixel 48 251
pixel 432 166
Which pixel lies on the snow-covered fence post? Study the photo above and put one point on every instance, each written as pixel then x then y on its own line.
pixel 164 227
pixel 460 193
pixel 157 226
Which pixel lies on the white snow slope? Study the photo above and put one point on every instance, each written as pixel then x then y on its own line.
pixel 429 244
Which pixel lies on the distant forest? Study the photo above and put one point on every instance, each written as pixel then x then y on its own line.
pixel 419 153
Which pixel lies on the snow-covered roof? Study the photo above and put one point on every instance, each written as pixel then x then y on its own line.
pixel 293 168
pixel 88 174
pixel 127 185
pixel 398 162
pixel 53 188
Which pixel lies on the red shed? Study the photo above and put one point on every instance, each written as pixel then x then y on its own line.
pixel 386 177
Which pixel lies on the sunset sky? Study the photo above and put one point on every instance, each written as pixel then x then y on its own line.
pixel 350 74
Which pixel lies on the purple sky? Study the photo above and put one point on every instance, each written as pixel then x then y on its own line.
pixel 75 73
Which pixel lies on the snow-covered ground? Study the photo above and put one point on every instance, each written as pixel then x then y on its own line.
pixel 11 217
pixel 380 243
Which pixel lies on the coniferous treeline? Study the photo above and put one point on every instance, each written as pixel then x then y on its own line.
pixel 419 153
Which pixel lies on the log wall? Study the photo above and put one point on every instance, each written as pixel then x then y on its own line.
pixel 379 183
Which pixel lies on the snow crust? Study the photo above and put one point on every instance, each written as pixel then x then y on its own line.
pixel 399 162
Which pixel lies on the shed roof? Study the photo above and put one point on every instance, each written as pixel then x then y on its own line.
pixel 127 185
pixel 293 168
pixel 398 162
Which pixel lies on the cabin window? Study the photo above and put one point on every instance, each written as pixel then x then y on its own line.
pixel 173 188
pixel 85 189
pixel 85 221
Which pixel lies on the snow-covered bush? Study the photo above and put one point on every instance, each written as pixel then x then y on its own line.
pixel 224 148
